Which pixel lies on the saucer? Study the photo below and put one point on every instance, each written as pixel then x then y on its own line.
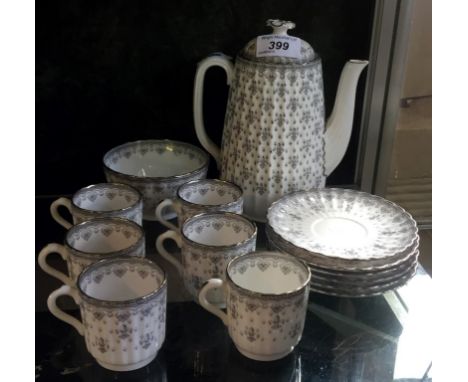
pixel 343 224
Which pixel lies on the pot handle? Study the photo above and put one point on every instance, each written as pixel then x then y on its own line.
pixel 223 61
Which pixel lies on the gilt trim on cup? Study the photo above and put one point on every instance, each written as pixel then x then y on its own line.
pixel 253 258
pixel 127 264
pixel 211 182
pixel 111 185
pixel 104 223
pixel 225 218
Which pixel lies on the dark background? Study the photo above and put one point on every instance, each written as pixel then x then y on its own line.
pixel 109 72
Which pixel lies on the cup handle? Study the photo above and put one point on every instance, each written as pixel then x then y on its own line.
pixel 159 213
pixel 55 213
pixel 65 290
pixel 46 251
pixel 174 235
pixel 211 284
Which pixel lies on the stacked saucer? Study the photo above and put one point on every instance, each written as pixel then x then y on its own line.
pixel 356 244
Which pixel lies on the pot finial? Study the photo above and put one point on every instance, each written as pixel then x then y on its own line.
pixel 280 26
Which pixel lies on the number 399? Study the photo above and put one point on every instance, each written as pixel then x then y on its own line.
pixel 278 45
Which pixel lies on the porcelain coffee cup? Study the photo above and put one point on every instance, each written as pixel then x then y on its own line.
pixel 199 196
pixel 156 168
pixel 208 242
pixel 100 200
pixel 93 240
pixel 266 301
pixel 123 311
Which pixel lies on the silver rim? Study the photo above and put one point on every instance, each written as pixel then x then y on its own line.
pixel 110 184
pixel 157 178
pixel 383 200
pixel 289 66
pixel 323 262
pixel 107 255
pixel 290 293
pixel 209 181
pixel 253 236
pixel 118 304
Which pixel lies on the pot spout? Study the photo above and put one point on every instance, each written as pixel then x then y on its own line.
pixel 340 122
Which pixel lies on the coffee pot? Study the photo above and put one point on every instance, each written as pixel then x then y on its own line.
pixel 275 140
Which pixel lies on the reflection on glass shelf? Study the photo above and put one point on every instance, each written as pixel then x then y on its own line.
pixel 414 351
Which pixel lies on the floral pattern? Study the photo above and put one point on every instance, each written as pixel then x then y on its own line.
pixel 113 330
pixel 189 211
pixel 201 224
pixel 78 260
pixel 203 262
pixel 334 264
pixel 135 214
pixel 387 228
pixel 81 210
pixel 189 192
pixel 265 261
pixel 266 324
pixel 354 278
pixel 270 109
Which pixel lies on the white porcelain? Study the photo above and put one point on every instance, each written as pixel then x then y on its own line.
pixel 198 196
pixel 91 241
pixel 266 294
pixel 341 289
pixel 157 168
pixel 344 224
pixel 275 140
pixel 365 279
pixel 334 264
pixel 123 311
pixel 208 242
pixel 100 200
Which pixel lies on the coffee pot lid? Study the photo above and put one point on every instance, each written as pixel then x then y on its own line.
pixel 278 47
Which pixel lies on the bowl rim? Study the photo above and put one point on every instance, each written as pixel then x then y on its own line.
pixel 158 178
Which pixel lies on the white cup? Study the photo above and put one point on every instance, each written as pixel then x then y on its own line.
pixel 199 196
pixel 100 200
pixel 208 242
pixel 123 311
pixel 266 300
pixel 91 241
